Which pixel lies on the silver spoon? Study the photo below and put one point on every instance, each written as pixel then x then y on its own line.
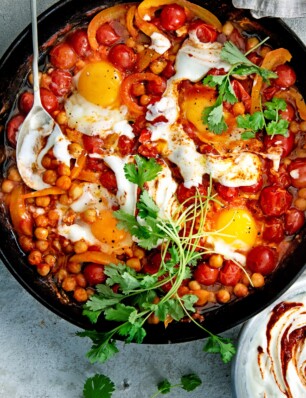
pixel 37 125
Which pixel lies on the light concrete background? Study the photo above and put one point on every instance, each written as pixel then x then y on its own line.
pixel 40 356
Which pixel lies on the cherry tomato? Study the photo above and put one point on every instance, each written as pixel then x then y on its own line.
pixel 274 230
pixel 94 165
pixel 270 91
pixel 227 193
pixel 153 263
pixel 255 58
pixel 94 274
pixel 297 171
pixel 48 100
pixel 288 113
pixel 242 94
pixel 286 76
pixel 25 102
pixel 262 259
pixel 60 82
pixel 274 200
pixel 294 220
pixel 236 38
pixel 230 273
pixel 205 33
pixel 156 86
pixel 187 195
pixel 109 181
pixel 122 57
pixel 79 42
pixel 169 70
pixel 172 17
pixel 281 178
pixel 216 72
pixel 205 274
pixel 278 140
pixel 92 144
pixel 63 56
pixel 125 145
pixel 106 35
pixel 12 128
pixel 253 188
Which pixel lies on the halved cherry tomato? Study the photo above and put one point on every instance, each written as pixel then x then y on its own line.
pixel 280 178
pixel 109 181
pixel 125 145
pixel 25 102
pixel 227 193
pixel 278 140
pixel 237 39
pixel 156 86
pixel 92 144
pixel 60 82
pixel 122 57
pixel 169 70
pixel 205 33
pixel 275 201
pixel 262 259
pixel 48 100
pixel 288 113
pixel 153 263
pixel 255 58
pixel 94 164
pixel 63 56
pixel 12 128
pixel 253 188
pixel 206 275
pixel 106 35
pixel 294 220
pixel 187 195
pixel 230 273
pixel 94 274
pixel 172 17
pixel 274 230
pixel 286 76
pixel 297 171
pixel 79 42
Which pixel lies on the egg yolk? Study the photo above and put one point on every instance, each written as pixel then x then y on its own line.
pixel 99 83
pixel 106 231
pixel 194 106
pixel 240 227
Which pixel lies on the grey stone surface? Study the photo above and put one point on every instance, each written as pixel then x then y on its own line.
pixel 40 355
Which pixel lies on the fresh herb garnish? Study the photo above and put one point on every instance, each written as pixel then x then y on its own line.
pixel 98 386
pixel 188 383
pixel 240 65
pixel 268 118
pixel 144 170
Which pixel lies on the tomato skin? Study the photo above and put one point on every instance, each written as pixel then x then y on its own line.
pixel 12 128
pixel 186 195
pixel 242 94
pixel 255 58
pixel 79 42
pixel 278 140
pixel 297 172
pixel 262 259
pixel 205 33
pixel 274 230
pixel 63 56
pixel 94 274
pixel 169 70
pixel 153 263
pixel 288 113
pixel 226 193
pixel 106 35
pixel 156 86
pixel 60 82
pixel 230 273
pixel 92 144
pixel 205 274
pixel 274 201
pixel 286 76
pixel 172 17
pixel 125 145
pixel 253 188
pixel 294 220
pixel 109 181
pixel 94 165
pixel 48 100
pixel 25 102
pixel 280 178
pixel 122 57
pixel 236 38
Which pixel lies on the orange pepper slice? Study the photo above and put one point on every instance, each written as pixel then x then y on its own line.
pixel 21 219
pixel 79 166
pixel 89 176
pixel 94 257
pixel 270 62
pixel 130 16
pixel 292 94
pixel 44 192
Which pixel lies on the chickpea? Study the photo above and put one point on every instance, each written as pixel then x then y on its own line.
pixel 258 279
pixel 42 201
pixel 182 291
pixel 53 216
pixel 74 267
pixel 223 296
pixel 294 126
pixel 153 319
pixel 302 193
pixel 61 275
pixel 13 174
pixel 43 269
pixel 80 294
pixel 41 233
pixel 300 204
pixel 7 186
pixel 90 292
pixel 194 285
pixel 303 126
pixel 130 42
pixel 202 296
pixel 63 182
pixel 134 263
pixel 227 28
pixel 69 283
pixel 61 118
pixel 238 108
pixel 35 257
pixel 158 66
pixel 63 170
pixel 139 48
pixel 251 43
pixel 42 245
pixel 41 221
pixel 26 243
pixel 81 281
pixel 145 100
pixel 138 89
pixel 245 279
pixel 65 200
pixel 89 216
pixel 138 252
pixel 215 261
pixel 212 297
pixel 240 290
pixel 75 191
pixel 49 177
pixel 50 260
pixel 46 162
pixel 265 50
pixel 75 150
pixel 80 247
pixel 68 249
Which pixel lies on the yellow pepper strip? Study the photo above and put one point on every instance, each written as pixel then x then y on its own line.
pixel 21 219
pixel 44 192
pixel 94 257
pixel 293 95
pixel 270 62
pixel 79 166
pixel 130 16
pixel 89 176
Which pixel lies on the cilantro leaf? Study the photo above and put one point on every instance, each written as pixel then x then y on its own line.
pixel 171 307
pixel 277 104
pixel 147 206
pixel 132 332
pixel 280 127
pixel 190 382
pixel 121 313
pixel 222 346
pixel 164 386
pixel 189 301
pixel 98 386
pixel 103 347
pixel 246 135
pixel 252 122
pixel 213 81
pixel 144 170
pixel 214 118
pixel 227 92
pixel 122 275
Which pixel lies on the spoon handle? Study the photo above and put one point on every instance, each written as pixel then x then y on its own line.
pixel 37 99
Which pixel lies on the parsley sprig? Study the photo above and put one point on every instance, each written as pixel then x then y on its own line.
pixel 240 65
pixel 189 382
pixel 139 293
pixel 98 386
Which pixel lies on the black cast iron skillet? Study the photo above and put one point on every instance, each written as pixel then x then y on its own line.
pixel 14 67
